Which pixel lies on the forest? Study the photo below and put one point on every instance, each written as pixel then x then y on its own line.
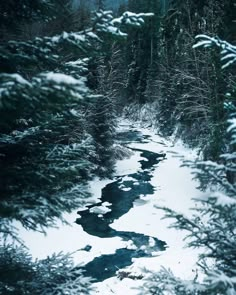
pixel 70 73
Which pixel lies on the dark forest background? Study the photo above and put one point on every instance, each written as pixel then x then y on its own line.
pixel 69 71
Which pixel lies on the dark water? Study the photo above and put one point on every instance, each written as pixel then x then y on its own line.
pixel 122 201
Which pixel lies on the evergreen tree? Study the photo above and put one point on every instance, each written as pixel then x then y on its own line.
pixel 54 275
pixel 46 157
pixel 103 130
pixel 142 50
pixel 212 226
pixel 100 4
pixel 191 84
pixel 48 148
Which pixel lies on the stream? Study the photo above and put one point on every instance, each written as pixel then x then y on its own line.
pixel 120 235
pixel 120 196
pixel 121 228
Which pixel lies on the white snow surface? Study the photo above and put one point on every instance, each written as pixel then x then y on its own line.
pixel 129 166
pixel 174 188
pixel 62 78
pixel 125 189
pixel 128 178
pixel 101 210
pixel 20 79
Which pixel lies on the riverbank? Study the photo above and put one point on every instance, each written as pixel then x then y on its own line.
pixel 173 187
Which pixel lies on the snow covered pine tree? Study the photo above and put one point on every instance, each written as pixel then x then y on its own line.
pixel 216 239
pixel 46 151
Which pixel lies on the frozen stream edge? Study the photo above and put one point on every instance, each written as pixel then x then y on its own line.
pixel 174 189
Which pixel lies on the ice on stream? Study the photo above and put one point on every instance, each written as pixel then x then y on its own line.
pixel 101 210
pixel 125 189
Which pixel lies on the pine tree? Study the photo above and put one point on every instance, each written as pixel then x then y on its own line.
pixel 100 4
pixel 21 275
pixel 102 120
pixel 47 149
pixel 212 226
pixel 142 50
pixel 46 157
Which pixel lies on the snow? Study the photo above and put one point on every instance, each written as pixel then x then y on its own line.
pixel 78 62
pixel 151 242
pixel 101 210
pixel 125 189
pixel 223 200
pixel 70 238
pixel 129 166
pixel 117 20
pixel 55 39
pixel 132 14
pixel 18 78
pixel 130 245
pixel 92 35
pixel 204 43
pixel 228 51
pixel 128 178
pixel 115 31
pixel 61 78
pixel 174 188
pixel 233 124
pixel 78 37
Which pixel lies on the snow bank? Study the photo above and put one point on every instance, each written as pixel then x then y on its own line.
pixel 174 189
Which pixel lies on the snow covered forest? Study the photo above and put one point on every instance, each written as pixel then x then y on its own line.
pixel 117 147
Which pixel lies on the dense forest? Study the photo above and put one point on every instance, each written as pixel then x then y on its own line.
pixel 69 70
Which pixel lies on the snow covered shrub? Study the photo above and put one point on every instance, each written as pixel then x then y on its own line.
pixel 212 227
pixel 55 275
pixel 121 152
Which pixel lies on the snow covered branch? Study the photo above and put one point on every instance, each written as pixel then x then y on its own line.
pixel 228 51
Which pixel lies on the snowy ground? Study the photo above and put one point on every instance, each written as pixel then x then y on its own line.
pixel 174 189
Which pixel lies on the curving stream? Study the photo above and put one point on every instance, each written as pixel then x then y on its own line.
pixel 121 195
pixel 123 226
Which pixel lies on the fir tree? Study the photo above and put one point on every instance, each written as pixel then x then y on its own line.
pixel 47 149
pixel 102 120
pixel 45 161
pixel 141 51
pixel 100 4
pixel 55 275
pixel 212 225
